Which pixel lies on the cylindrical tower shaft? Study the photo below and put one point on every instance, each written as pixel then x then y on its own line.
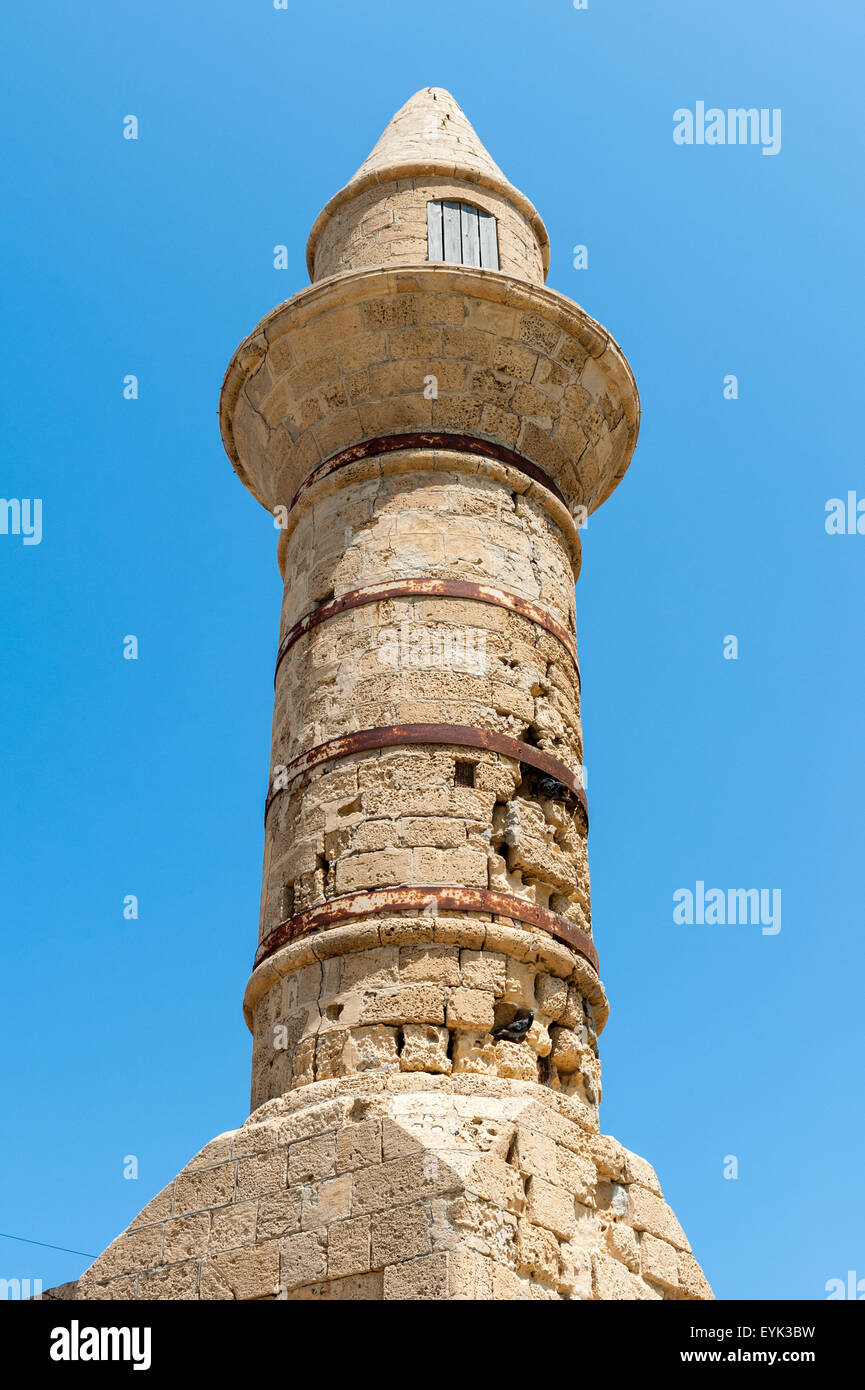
pixel 429 426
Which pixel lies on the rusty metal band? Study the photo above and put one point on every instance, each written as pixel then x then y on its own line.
pixel 426 439
pixel 403 735
pixel 352 906
pixel 429 588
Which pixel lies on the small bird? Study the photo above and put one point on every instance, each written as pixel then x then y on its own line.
pixel 515 1031
pixel 554 790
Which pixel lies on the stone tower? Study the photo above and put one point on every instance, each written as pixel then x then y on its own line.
pixel 429 425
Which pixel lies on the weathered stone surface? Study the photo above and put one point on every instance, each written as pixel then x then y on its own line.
pixel 425 1048
pixel 397 1151
pixel 241 1274
pixel 416 1185
pixel 348 1247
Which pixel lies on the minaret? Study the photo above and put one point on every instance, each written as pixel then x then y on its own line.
pixel 429 426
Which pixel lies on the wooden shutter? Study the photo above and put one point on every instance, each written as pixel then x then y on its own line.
pixel 488 241
pixel 462 235
pixel 435 237
pixel 453 235
pixel 470 235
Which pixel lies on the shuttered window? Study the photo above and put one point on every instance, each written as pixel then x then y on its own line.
pixel 462 234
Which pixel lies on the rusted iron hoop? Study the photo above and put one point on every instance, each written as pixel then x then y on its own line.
pixel 427 439
pixel 399 735
pixel 429 588
pixel 353 906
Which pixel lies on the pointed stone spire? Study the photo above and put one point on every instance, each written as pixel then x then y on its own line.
pixel 433 133
pixel 430 136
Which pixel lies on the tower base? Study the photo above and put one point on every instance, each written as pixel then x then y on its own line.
pixel 406 1186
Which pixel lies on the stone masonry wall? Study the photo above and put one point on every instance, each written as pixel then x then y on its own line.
pixel 410 994
pixel 436 513
pixel 386 225
pixel 406 1187
pixel 346 360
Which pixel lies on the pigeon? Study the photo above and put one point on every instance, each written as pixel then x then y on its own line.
pixel 515 1031
pixel 554 790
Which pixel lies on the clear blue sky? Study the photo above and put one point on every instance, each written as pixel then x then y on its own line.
pixel 155 258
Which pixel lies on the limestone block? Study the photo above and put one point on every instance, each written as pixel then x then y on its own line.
pixel 692 1280
pixel 372 1049
pixel 639 1171
pixel 577 1173
pixel 496 1181
pixel 369 969
pixel 659 1261
pixel 612 1281
pixel 358 1145
pixel 302 1259
pixel 507 1284
pixel 538 1253
pixel 231 1227
pixel 567 1049
pixel 552 995
pixel 374 870
pixel 261 1174
pixel 538 1038
pixel 474 1052
pixel 204 1188
pixel 425 1048
pixel 470 1008
pixel 624 1245
pixel 519 984
pixel 430 964
pixel 552 1207
pixel 467 867
pixel 535 1155
pixel 575 1270
pixel 348 1247
pixel 354 1288
pixel 115 1290
pixel 160 1207
pixel 140 1249
pixel 401 1234
pixel 325 1203
pixel 186 1237
pixel 607 1155
pixel 399 1137
pixel 241 1274
pixel 647 1212
pixel 425 1278
pixel 400 1180
pixel 279 1215
pixel 310 1160
pixel 516 1060
pixel 484 970
pixel 177 1281
pixel 406 1004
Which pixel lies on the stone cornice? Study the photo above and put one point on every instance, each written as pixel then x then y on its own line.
pixel 504 314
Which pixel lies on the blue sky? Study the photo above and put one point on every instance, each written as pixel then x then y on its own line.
pixel 155 258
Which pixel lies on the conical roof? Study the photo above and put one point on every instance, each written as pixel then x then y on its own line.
pixel 430 129
pixel 430 135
